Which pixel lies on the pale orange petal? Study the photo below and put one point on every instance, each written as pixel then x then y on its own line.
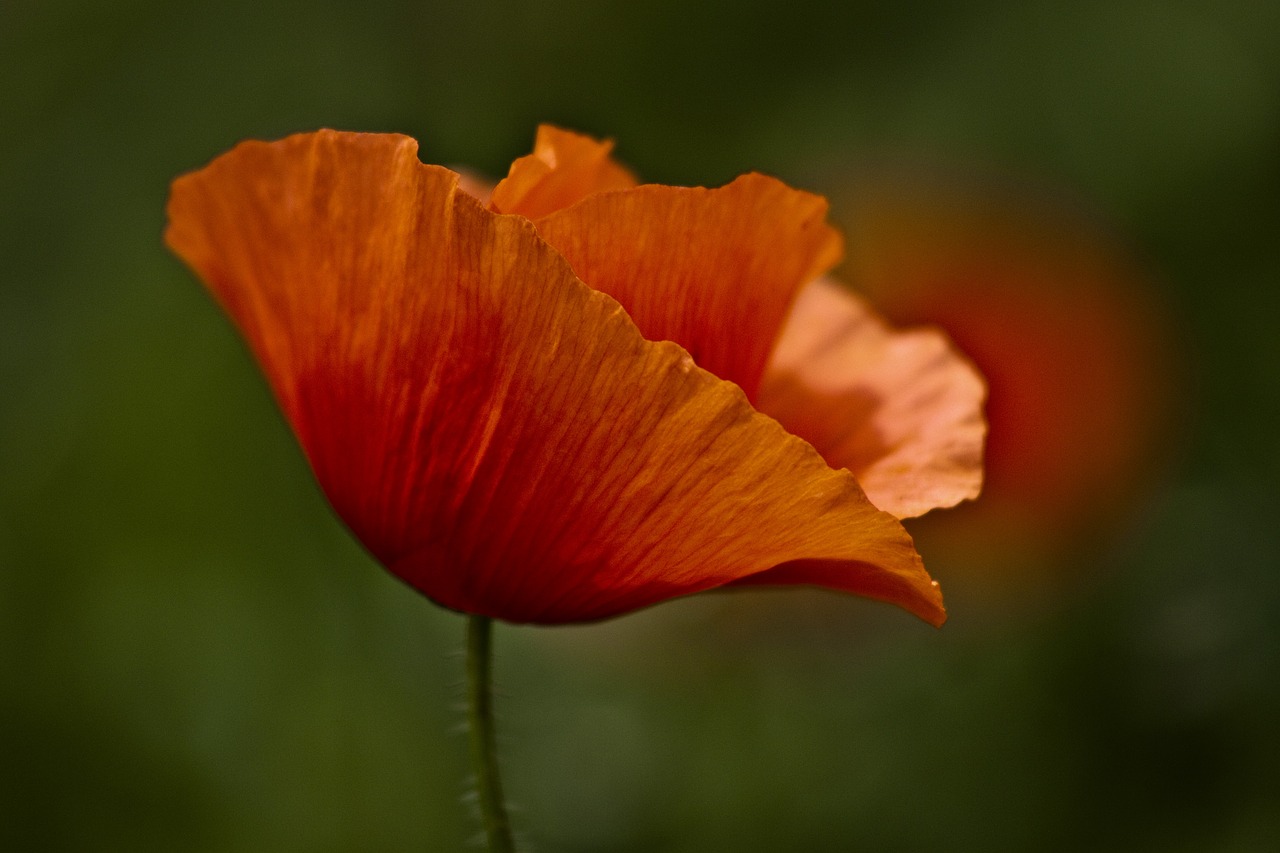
pixel 901 410
pixel 713 270
pixel 564 168
pixel 497 433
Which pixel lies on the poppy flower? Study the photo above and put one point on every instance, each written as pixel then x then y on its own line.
pixel 567 403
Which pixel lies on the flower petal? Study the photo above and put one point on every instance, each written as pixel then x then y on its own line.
pixel 497 433
pixel 901 410
pixel 713 270
pixel 564 168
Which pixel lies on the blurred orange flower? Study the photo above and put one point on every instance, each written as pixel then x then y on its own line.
pixel 513 443
pixel 1067 330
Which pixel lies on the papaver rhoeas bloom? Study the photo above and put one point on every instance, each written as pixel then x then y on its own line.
pixel 501 434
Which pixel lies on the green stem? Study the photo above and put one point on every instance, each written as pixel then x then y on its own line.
pixel 484 757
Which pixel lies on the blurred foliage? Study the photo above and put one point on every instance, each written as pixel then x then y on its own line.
pixel 195 656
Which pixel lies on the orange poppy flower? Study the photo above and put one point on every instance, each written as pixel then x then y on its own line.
pixel 513 443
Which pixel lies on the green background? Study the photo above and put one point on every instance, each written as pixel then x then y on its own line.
pixel 195 656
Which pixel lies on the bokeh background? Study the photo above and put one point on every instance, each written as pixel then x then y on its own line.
pixel 195 656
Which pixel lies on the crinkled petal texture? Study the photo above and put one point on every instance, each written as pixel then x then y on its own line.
pixel 498 434
pixel 901 410
pixel 717 272
pixel 713 270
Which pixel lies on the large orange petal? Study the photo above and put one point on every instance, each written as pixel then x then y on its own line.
pixel 564 168
pixel 901 410
pixel 713 270
pixel 497 433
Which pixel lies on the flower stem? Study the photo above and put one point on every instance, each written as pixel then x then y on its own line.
pixel 493 808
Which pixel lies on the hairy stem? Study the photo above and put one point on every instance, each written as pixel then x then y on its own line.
pixel 484 758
